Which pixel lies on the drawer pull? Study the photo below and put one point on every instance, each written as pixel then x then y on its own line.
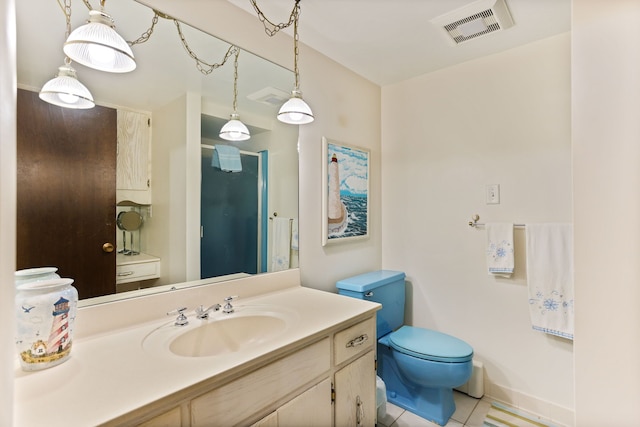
pixel 126 273
pixel 358 341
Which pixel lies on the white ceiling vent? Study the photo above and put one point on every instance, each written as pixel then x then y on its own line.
pixel 270 96
pixel 475 20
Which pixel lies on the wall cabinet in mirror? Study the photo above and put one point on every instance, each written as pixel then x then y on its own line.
pixel 134 157
pixel 130 269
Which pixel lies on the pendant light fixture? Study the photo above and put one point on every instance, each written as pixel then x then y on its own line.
pixel 97 45
pixel 234 129
pixel 295 111
pixel 65 90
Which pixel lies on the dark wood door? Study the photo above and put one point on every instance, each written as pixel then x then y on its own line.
pixel 67 192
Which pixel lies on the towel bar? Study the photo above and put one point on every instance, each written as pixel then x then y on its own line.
pixel 474 222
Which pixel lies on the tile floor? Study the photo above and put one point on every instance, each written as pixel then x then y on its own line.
pixel 470 412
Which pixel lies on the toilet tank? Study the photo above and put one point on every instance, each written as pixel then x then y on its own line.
pixel 383 286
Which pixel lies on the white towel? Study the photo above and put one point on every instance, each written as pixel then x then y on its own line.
pixel 294 234
pixel 550 278
pixel 280 244
pixel 500 256
pixel 227 158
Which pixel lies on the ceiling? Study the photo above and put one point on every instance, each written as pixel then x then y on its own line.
pixel 385 41
pixel 164 70
pixel 388 41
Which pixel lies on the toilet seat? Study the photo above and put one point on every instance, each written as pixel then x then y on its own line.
pixel 430 345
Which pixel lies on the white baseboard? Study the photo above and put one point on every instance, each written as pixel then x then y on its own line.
pixel 557 414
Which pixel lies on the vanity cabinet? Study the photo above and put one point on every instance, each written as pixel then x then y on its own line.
pixel 330 380
pixel 234 403
pixel 133 176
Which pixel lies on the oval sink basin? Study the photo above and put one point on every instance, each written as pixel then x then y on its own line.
pixel 227 335
pixel 220 334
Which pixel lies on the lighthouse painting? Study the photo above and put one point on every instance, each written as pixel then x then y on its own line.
pixel 346 197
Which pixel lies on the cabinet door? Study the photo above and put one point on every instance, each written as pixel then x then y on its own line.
pixel 311 409
pixel 134 157
pixel 172 418
pixel 270 420
pixel 355 386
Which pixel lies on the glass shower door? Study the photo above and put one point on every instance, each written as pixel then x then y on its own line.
pixel 230 216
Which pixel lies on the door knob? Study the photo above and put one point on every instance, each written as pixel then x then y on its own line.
pixel 107 247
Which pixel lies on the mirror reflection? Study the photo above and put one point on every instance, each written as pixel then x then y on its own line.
pixel 125 196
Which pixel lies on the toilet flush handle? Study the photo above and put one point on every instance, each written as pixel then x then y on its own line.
pixel 369 294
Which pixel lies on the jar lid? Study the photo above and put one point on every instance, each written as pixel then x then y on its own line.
pixel 44 284
pixel 35 271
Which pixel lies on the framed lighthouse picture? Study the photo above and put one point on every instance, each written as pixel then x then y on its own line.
pixel 345 196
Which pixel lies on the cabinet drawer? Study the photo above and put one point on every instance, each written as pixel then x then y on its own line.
pixel 232 403
pixel 140 271
pixel 354 340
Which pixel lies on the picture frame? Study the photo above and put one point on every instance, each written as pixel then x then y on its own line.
pixel 345 192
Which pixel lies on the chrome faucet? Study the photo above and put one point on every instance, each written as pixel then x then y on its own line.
pixel 228 308
pixel 181 320
pixel 201 313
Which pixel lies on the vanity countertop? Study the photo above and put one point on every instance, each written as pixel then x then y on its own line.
pixel 110 374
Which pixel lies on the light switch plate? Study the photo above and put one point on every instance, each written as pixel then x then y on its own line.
pixel 493 194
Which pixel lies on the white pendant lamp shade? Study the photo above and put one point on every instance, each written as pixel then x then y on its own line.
pixel 97 45
pixel 234 130
pixel 295 111
pixel 66 91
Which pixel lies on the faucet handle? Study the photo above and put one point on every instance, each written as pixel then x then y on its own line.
pixel 202 313
pixel 228 308
pixel 181 320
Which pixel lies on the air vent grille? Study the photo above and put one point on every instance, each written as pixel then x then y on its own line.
pixel 475 20
pixel 484 20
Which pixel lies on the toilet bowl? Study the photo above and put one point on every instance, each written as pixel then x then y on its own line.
pixel 419 367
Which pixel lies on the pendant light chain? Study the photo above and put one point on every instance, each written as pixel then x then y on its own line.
pixel 235 80
pixel 144 37
pixel 296 15
pixel 269 27
pixel 295 110
pixel 66 9
pixel 202 66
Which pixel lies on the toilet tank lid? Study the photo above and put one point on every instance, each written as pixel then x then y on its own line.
pixel 368 281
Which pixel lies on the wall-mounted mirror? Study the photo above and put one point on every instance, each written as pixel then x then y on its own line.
pixel 179 111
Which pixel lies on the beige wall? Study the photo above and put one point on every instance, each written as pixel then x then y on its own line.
pixel 166 230
pixel 503 119
pixel 606 158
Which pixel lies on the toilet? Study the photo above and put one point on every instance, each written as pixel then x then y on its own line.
pixel 419 367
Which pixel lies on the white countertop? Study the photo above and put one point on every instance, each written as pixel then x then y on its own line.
pixel 110 374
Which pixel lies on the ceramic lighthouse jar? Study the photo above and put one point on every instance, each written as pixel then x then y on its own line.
pixel 45 314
